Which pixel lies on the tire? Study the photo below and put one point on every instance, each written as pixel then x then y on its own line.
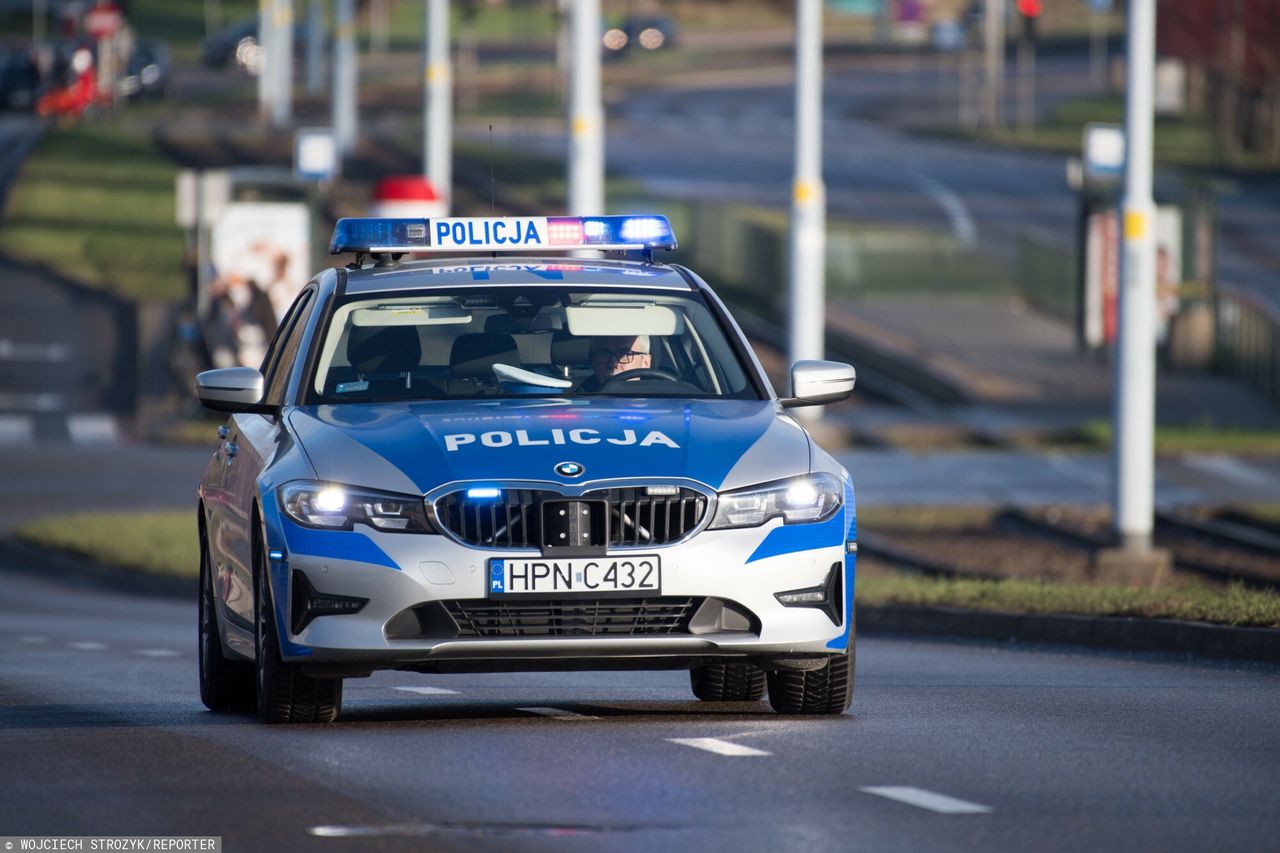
pixel 285 694
pixel 225 685
pixel 828 690
pixel 727 682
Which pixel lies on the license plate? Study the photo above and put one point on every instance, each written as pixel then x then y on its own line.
pixel 586 576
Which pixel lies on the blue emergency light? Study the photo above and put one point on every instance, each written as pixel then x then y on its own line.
pixel 501 234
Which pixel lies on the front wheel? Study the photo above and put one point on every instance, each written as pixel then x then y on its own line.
pixel 727 682
pixel 828 690
pixel 285 694
pixel 225 685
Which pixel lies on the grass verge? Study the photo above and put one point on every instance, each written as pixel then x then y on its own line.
pixel 95 203
pixel 159 543
pixel 165 543
pixel 1173 440
pixel 1236 605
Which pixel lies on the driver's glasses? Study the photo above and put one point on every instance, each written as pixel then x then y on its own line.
pixel 622 356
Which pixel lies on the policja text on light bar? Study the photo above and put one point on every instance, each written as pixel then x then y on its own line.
pixel 501 234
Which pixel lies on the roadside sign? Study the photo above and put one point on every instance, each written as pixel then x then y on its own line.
pixel 103 20
pixel 1104 146
pixel 407 196
pixel 315 154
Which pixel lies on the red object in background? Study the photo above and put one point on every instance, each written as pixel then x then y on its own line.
pixel 103 20
pixel 1236 41
pixel 1030 8
pixel 407 196
pixel 71 100
pixel 404 188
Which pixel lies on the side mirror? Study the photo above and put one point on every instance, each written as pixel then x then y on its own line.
pixel 231 389
pixel 815 383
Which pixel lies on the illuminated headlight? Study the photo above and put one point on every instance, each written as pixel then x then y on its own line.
pixel 336 507
pixel 812 497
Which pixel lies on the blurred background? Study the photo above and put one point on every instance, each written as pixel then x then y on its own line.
pixel 162 202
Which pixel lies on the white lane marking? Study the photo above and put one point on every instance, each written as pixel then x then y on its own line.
pixel 962 224
pixel 33 640
pixel 92 428
pixel 15 351
pixel 17 429
pixel 1229 468
pixel 427 691
pixel 557 713
pixel 88 646
pixel 920 798
pixel 158 653
pixel 719 747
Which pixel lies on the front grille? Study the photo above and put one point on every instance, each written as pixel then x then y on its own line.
pixel 636 518
pixel 514 519
pixel 606 617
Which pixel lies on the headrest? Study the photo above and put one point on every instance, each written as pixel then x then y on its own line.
pixel 474 355
pixel 383 349
pixel 567 349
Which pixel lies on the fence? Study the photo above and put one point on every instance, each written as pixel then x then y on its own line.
pixel 1247 331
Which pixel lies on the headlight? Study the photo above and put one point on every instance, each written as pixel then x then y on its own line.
pixel 812 497
pixel 336 507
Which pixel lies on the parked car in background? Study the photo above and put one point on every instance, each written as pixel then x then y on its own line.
pixel 19 81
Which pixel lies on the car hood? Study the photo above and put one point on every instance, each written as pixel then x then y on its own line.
pixel 418 447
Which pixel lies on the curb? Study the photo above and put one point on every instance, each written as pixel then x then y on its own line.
pixel 1116 633
pixel 59 565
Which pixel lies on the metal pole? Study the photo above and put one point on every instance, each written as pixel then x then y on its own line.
pixel 266 46
pixel 1133 463
pixel 1026 86
pixel 345 120
pixel 993 36
pixel 808 198
pixel 315 47
pixel 1097 49
pixel 39 16
pixel 586 113
pixel 437 109
pixel 282 62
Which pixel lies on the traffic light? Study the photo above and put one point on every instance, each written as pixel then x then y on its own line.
pixel 1030 11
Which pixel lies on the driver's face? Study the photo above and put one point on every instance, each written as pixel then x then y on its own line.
pixel 611 356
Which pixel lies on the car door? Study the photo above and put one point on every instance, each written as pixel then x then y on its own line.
pixel 252 444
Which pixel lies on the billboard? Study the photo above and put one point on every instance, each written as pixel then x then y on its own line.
pixel 260 254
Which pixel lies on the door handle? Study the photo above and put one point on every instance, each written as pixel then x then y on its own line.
pixel 223 432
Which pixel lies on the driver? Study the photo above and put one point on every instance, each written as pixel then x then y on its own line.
pixel 614 355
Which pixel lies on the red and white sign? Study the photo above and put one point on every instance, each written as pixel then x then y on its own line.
pixel 103 20
pixel 407 197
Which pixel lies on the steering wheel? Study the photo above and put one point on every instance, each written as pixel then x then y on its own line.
pixel 640 373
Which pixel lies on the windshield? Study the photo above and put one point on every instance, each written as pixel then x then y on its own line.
pixel 535 341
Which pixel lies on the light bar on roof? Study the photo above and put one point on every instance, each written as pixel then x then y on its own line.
pixel 502 234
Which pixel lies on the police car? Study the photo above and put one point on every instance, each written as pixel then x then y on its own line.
pixel 519 463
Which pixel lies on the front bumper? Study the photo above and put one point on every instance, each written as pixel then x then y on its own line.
pixel 398 572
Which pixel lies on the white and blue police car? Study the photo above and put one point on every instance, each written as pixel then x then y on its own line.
pixel 519 463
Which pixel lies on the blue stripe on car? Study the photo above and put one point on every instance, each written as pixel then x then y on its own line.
pixel 336 545
pixel 850 569
pixel 279 573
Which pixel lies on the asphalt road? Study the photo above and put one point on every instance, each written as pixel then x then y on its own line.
pixel 103 733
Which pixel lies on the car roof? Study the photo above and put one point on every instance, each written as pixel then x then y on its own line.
pixel 511 271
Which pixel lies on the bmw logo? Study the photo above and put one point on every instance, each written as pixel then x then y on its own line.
pixel 569 469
